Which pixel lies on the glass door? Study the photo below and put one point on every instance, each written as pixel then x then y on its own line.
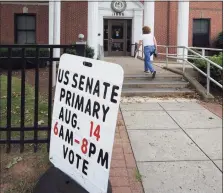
pixel 117 44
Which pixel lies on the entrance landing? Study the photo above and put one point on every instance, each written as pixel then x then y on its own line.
pixel 138 83
pixel 134 66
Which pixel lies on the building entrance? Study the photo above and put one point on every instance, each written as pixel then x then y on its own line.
pixel 117 37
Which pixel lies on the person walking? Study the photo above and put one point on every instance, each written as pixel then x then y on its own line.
pixel 150 47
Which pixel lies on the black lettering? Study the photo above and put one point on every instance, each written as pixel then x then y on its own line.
pixel 97 88
pixel 69 138
pixel 102 159
pixel 88 107
pixel 105 111
pixel 61 115
pixel 60 75
pixel 105 90
pixel 96 108
pixel 73 99
pixel 84 167
pixel 71 157
pixel 74 121
pixel 81 82
pixel 89 85
pixel 78 158
pixel 65 151
pixel 61 133
pixel 67 116
pixel 68 98
pixel 114 93
pixel 92 149
pixel 62 95
pixel 74 80
pixel 79 102
pixel 66 77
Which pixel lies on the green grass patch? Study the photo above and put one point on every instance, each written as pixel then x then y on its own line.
pixel 16 108
pixel 138 175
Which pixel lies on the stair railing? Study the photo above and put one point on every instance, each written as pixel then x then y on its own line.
pixel 190 53
pixel 185 56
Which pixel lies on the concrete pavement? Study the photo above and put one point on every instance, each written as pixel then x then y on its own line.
pixel 177 145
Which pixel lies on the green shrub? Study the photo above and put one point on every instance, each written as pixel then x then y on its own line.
pixel 29 52
pixel 219 41
pixel 216 73
pixel 89 52
pixel 71 51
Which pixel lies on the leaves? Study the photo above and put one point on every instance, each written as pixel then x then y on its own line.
pixel 40 122
pixel 13 162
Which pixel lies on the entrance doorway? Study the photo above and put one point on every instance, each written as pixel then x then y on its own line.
pixel 117 37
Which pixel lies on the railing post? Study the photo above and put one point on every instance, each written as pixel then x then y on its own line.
pixel 183 59
pixel 208 78
pixel 167 53
pixel 203 52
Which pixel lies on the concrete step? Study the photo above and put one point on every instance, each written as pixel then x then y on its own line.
pixel 155 92
pixel 141 83
pixel 149 76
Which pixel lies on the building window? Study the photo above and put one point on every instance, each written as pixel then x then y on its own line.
pixel 201 32
pixel 25 28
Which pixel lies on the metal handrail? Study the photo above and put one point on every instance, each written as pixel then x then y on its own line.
pixel 202 48
pixel 185 56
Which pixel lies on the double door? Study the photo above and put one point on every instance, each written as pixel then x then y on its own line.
pixel 118 42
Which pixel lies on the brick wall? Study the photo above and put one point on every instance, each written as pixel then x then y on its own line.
pixel 74 20
pixel 7 22
pixel 206 10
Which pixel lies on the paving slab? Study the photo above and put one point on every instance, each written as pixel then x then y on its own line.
pixel 180 177
pixel 141 107
pixel 163 145
pixel 219 164
pixel 148 120
pixel 209 140
pixel 181 106
pixel 197 119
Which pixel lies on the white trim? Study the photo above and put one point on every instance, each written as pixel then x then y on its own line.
pixel 137 9
pixel 136 14
pixel 92 34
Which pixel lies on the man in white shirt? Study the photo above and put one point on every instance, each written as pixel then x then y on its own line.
pixel 150 47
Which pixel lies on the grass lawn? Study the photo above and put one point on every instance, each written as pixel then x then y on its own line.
pixel 15 108
pixel 19 172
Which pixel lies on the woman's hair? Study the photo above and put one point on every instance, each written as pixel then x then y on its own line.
pixel 146 30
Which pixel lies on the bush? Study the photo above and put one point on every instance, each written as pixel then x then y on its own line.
pixel 219 41
pixel 29 52
pixel 89 52
pixel 215 73
pixel 71 51
pixel 17 52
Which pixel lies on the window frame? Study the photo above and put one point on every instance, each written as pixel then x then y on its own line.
pixel 16 30
pixel 209 29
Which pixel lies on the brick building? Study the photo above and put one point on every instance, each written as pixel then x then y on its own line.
pixel 114 25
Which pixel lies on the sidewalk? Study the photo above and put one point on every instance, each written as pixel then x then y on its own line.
pixel 177 145
pixel 124 177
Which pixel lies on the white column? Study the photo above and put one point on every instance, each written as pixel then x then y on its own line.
pixel 149 16
pixel 136 27
pixel 182 26
pixel 57 35
pixel 92 37
pixel 51 23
